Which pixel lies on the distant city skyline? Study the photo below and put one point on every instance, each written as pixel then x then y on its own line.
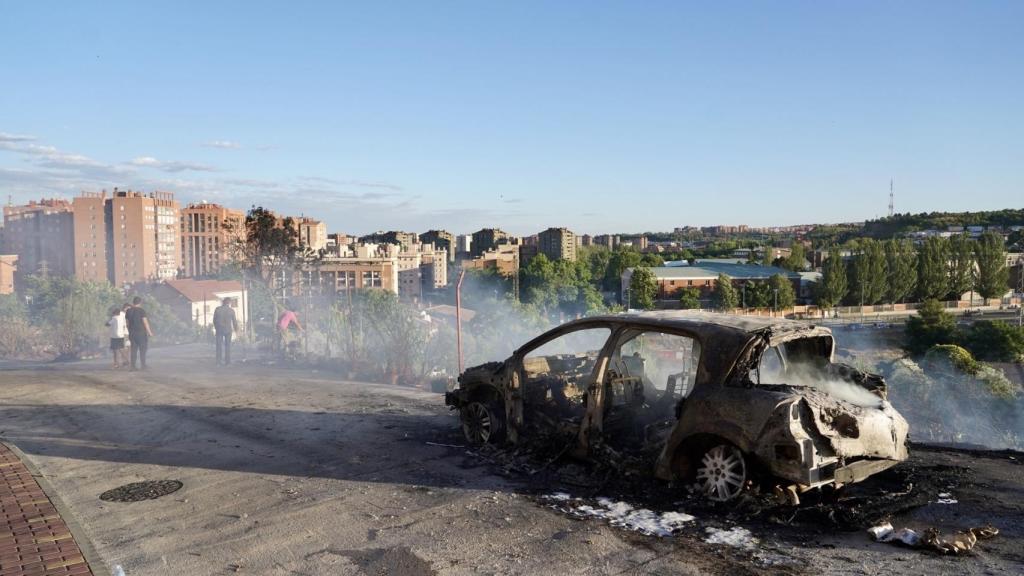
pixel 600 117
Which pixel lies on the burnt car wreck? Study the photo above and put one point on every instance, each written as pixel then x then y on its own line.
pixel 716 400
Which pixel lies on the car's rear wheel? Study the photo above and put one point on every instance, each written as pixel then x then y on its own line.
pixel 483 422
pixel 722 472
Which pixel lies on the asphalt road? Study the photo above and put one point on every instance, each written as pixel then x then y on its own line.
pixel 297 472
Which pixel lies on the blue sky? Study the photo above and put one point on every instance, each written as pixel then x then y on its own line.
pixel 600 116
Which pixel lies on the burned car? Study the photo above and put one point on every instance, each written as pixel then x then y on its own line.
pixel 718 400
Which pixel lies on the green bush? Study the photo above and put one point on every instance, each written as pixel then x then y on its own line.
pixel 932 325
pixel 997 382
pixel 995 341
pixel 956 356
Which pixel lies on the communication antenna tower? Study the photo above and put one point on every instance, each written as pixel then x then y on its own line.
pixel 892 196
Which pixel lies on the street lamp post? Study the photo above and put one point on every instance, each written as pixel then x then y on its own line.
pixel 775 308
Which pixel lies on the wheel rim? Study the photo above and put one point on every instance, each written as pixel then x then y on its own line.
pixel 722 473
pixel 477 423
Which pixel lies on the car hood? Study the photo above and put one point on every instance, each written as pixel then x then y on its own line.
pixel 481 373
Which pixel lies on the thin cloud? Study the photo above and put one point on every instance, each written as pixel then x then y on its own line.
pixel 170 165
pixel 8 137
pixel 223 144
pixel 46 156
pixel 353 183
pixel 50 171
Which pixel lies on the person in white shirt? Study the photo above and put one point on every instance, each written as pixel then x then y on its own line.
pixel 118 334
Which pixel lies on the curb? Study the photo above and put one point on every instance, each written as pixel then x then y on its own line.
pixel 85 545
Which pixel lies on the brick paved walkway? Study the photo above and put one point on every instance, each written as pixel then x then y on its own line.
pixel 34 541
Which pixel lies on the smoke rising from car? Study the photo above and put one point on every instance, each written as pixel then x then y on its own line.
pixel 941 403
pixel 841 389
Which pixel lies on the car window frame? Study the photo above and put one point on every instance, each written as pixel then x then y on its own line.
pixel 641 329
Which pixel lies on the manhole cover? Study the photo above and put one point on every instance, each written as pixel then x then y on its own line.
pixel 139 491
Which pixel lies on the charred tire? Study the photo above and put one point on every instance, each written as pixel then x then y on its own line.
pixel 722 472
pixel 483 422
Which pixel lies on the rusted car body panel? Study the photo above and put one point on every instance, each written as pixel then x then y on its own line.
pixel 835 426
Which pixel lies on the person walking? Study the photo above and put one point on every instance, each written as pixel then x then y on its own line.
pixel 224 325
pixel 138 332
pixel 118 333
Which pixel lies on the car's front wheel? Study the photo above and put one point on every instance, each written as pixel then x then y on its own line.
pixel 482 422
pixel 722 472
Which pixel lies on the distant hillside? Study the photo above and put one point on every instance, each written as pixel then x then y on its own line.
pixel 900 224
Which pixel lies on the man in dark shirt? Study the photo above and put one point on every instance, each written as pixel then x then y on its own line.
pixel 138 331
pixel 224 325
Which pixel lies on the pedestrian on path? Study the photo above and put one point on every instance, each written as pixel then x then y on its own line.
pixel 118 333
pixel 138 332
pixel 225 324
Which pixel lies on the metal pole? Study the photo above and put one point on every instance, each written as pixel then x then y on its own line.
pixel 1020 289
pixel 862 301
pixel 458 316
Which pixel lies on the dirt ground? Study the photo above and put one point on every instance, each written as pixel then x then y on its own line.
pixel 297 472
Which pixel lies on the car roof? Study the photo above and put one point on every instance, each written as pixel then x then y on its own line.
pixel 697 321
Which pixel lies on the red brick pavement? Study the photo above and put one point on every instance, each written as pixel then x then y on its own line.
pixel 34 541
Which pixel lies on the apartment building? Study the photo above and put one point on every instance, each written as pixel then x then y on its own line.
pixel 487 239
pixel 403 239
pixel 126 237
pixel 421 267
pixel 557 244
pixel 609 241
pixel 504 259
pixel 92 236
pixel 441 239
pixel 408 273
pixel 357 266
pixel 312 234
pixel 145 236
pixel 210 237
pixel 41 235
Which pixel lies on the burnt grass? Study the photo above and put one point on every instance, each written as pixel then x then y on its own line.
pixel 544 466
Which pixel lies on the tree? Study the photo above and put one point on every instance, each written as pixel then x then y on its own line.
pixel 725 296
pixel 597 259
pixel 932 279
pixel 643 288
pixel 901 268
pixel 756 295
pixel 993 277
pixel 537 283
pixel 782 292
pixel 868 285
pixel 72 313
pixel 797 259
pixel 401 333
pixel 652 260
pixel 833 281
pixel 995 341
pixel 689 299
pixel 960 266
pixel 619 261
pixel 269 251
pixel 932 325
